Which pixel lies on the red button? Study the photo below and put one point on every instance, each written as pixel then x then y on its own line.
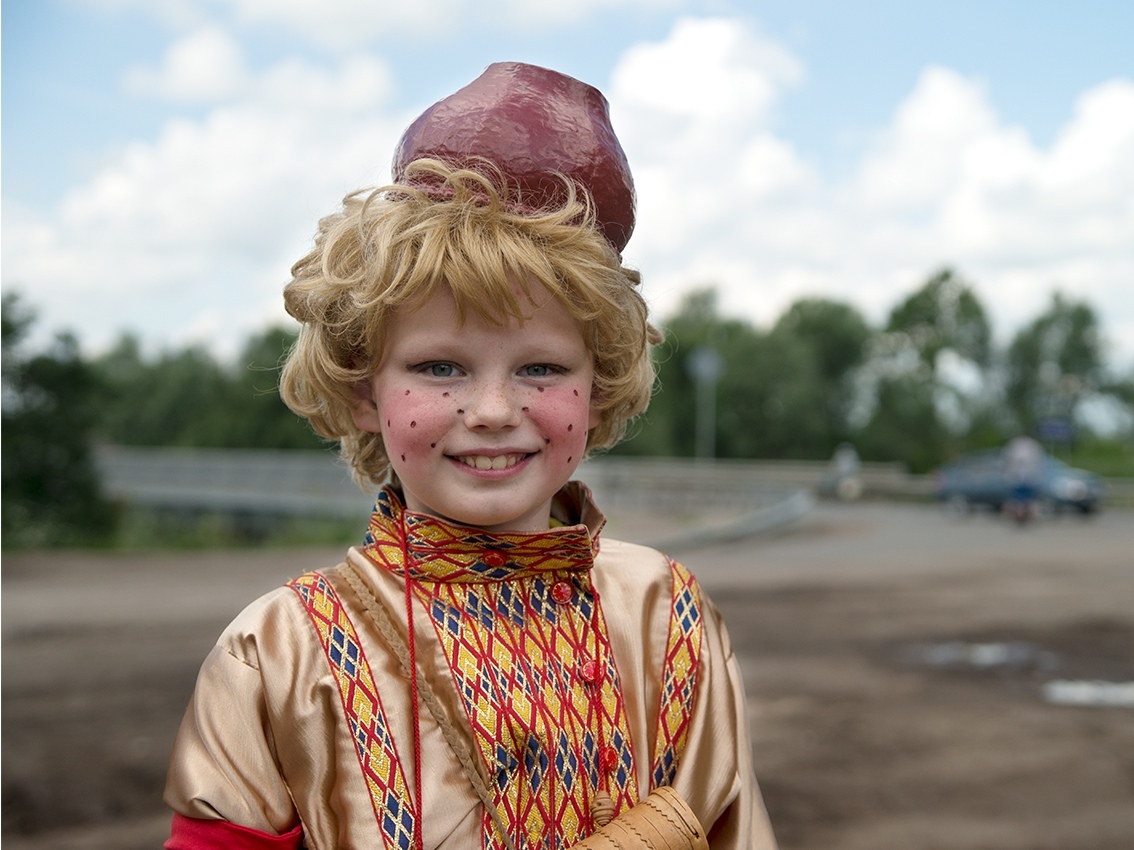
pixel 494 559
pixel 562 592
pixel 608 759
pixel 590 671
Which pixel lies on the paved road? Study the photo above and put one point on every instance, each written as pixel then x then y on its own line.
pixel 871 541
pixel 835 542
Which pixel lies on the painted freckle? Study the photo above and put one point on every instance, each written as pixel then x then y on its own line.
pixel 540 389
pixel 432 445
pixel 576 392
pixel 444 395
pixel 524 409
pixel 403 457
pixel 570 427
pixel 547 441
pixel 407 392
pixel 413 424
pixel 460 410
pixel 387 423
pixel 570 458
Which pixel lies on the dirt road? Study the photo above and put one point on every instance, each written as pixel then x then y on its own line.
pixel 896 662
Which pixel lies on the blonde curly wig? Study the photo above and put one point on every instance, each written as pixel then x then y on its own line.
pixel 387 248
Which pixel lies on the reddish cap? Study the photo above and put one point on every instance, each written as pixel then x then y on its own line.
pixel 530 123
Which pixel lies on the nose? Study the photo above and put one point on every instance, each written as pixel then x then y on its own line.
pixel 493 406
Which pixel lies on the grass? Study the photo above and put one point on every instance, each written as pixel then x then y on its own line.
pixel 1110 458
pixel 146 530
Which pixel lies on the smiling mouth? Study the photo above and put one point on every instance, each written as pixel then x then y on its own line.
pixel 484 462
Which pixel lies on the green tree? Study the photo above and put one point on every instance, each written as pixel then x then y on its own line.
pixel 187 398
pixel 837 335
pixel 944 314
pixel 1056 362
pixel 771 397
pixel 905 426
pixel 50 485
pixel 907 403
pixel 261 419
pixel 180 399
pixel 669 426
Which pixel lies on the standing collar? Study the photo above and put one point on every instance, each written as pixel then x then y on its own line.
pixel 440 550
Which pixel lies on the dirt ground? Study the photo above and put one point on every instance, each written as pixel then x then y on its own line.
pixel 896 662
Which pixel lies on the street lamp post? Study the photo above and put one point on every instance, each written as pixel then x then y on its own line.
pixel 705 366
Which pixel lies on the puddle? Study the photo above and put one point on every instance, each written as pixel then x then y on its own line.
pixel 1068 692
pixel 1006 655
pixel 1022 658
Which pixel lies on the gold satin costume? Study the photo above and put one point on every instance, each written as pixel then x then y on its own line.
pixel 574 668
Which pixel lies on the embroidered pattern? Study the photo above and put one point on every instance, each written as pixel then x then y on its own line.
pixel 377 755
pixel 679 687
pixel 527 648
pixel 550 726
pixel 463 554
pixel 528 651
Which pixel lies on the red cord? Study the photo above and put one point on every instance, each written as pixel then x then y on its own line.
pixel 596 688
pixel 418 829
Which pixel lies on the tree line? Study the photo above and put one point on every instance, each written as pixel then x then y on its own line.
pixel 928 384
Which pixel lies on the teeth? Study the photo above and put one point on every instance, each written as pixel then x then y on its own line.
pixel 486 462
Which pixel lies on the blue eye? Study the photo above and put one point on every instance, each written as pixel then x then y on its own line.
pixel 441 370
pixel 538 370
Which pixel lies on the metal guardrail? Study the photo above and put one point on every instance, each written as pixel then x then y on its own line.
pixel 1119 491
pixel 710 502
pixel 286 483
pixel 687 483
pixel 318 483
pixel 261 485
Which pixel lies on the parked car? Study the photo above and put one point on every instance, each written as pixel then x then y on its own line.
pixel 979 479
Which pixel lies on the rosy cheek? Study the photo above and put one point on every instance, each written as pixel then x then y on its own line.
pixel 410 420
pixel 561 416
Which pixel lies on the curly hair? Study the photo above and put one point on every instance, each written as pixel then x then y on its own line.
pixel 385 249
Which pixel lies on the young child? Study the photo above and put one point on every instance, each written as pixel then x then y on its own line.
pixel 486 669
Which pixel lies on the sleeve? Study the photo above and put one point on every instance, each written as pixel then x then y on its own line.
pixel 224 766
pixel 715 774
pixel 200 834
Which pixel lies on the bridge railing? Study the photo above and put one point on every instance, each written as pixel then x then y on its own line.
pixel 318 483
pixel 231 480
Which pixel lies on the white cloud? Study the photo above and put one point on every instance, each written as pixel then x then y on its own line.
pixel 197 229
pixel 353 24
pixel 350 23
pixel 181 14
pixel 692 113
pixel 723 199
pixel 1020 219
pixel 921 155
pixel 207 65
pixel 707 70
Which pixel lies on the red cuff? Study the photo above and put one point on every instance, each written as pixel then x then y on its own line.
pixel 199 834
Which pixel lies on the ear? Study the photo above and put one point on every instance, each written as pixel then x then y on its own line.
pixel 365 412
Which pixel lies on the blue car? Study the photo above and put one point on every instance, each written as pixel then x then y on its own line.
pixel 979 479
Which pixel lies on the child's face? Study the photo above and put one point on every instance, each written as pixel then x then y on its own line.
pixel 483 423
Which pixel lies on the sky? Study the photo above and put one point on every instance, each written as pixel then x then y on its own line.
pixel 164 162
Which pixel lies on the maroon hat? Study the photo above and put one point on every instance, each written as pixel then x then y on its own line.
pixel 530 123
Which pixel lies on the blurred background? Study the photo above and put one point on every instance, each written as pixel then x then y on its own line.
pixel 883 239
